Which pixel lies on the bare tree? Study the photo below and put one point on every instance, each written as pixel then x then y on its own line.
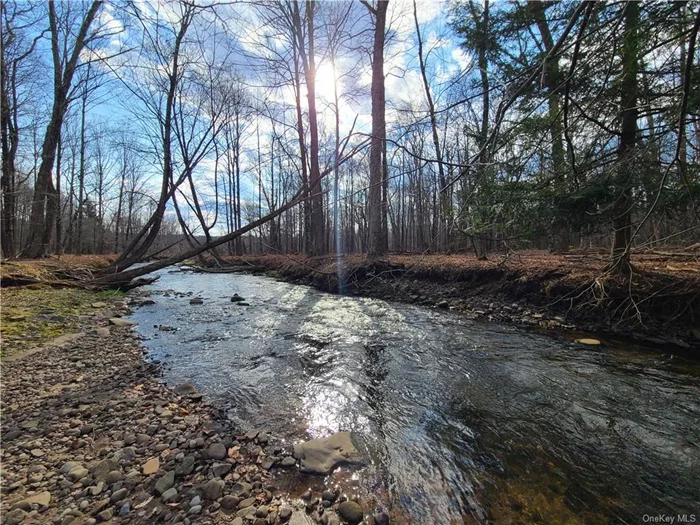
pixel 44 206
pixel 377 235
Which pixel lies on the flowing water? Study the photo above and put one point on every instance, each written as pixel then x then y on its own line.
pixel 462 421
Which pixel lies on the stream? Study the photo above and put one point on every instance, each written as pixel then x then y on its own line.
pixel 462 421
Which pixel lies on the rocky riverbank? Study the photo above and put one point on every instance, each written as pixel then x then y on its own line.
pixel 90 434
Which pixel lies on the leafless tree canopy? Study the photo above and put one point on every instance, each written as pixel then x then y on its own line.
pixel 171 129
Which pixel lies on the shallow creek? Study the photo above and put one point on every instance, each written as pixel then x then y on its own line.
pixel 462 421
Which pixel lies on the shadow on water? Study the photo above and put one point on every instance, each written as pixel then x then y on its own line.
pixel 462 422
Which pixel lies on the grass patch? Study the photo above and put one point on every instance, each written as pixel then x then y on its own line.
pixel 110 294
pixel 32 315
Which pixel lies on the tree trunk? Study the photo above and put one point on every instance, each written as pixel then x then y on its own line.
pixel 43 214
pixel 308 63
pixel 622 210
pixel 376 246
pixel 444 212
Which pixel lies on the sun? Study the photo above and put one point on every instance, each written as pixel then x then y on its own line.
pixel 325 82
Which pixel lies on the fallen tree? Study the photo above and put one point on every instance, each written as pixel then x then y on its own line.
pixel 124 279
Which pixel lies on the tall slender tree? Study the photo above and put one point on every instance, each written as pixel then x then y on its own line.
pixel 377 235
pixel 66 60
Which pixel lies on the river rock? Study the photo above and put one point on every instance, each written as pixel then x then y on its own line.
pixel 105 515
pixel 285 513
pixel 588 341
pixel 213 489
pixel 351 512
pixel 188 390
pixel 197 300
pixel 246 503
pixel 118 321
pixel 77 473
pixel 221 469
pixel 241 488
pixel 42 499
pixel 169 494
pixel 113 477
pixel 217 451
pixel 119 495
pixel 151 466
pixel 165 482
pixel 11 435
pixel 103 468
pixel 102 331
pixel 229 502
pixel 14 517
pixel 236 298
pixel 381 519
pixel 288 462
pixel 185 467
pixel 125 509
pixel 321 456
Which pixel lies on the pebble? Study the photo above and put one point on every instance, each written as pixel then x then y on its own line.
pixel 118 495
pixel 105 515
pixel 169 495
pixel 230 502
pixel 151 466
pixel 165 482
pixel 213 489
pixel 185 467
pixel 246 503
pixel 217 451
pixel 288 462
pixel 221 469
pixel 14 517
pixel 113 477
pixel 350 512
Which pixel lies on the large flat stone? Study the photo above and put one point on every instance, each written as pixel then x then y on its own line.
pixel 118 321
pixel 42 498
pixel 321 456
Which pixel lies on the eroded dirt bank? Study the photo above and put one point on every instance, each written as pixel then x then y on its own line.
pixel 660 306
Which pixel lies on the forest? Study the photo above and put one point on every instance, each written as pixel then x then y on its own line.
pixel 349 127
pixel 370 262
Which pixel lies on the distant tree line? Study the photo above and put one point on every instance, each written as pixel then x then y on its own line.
pixel 131 127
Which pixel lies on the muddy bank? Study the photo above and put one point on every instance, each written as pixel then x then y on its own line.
pixel 660 307
pixel 91 434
